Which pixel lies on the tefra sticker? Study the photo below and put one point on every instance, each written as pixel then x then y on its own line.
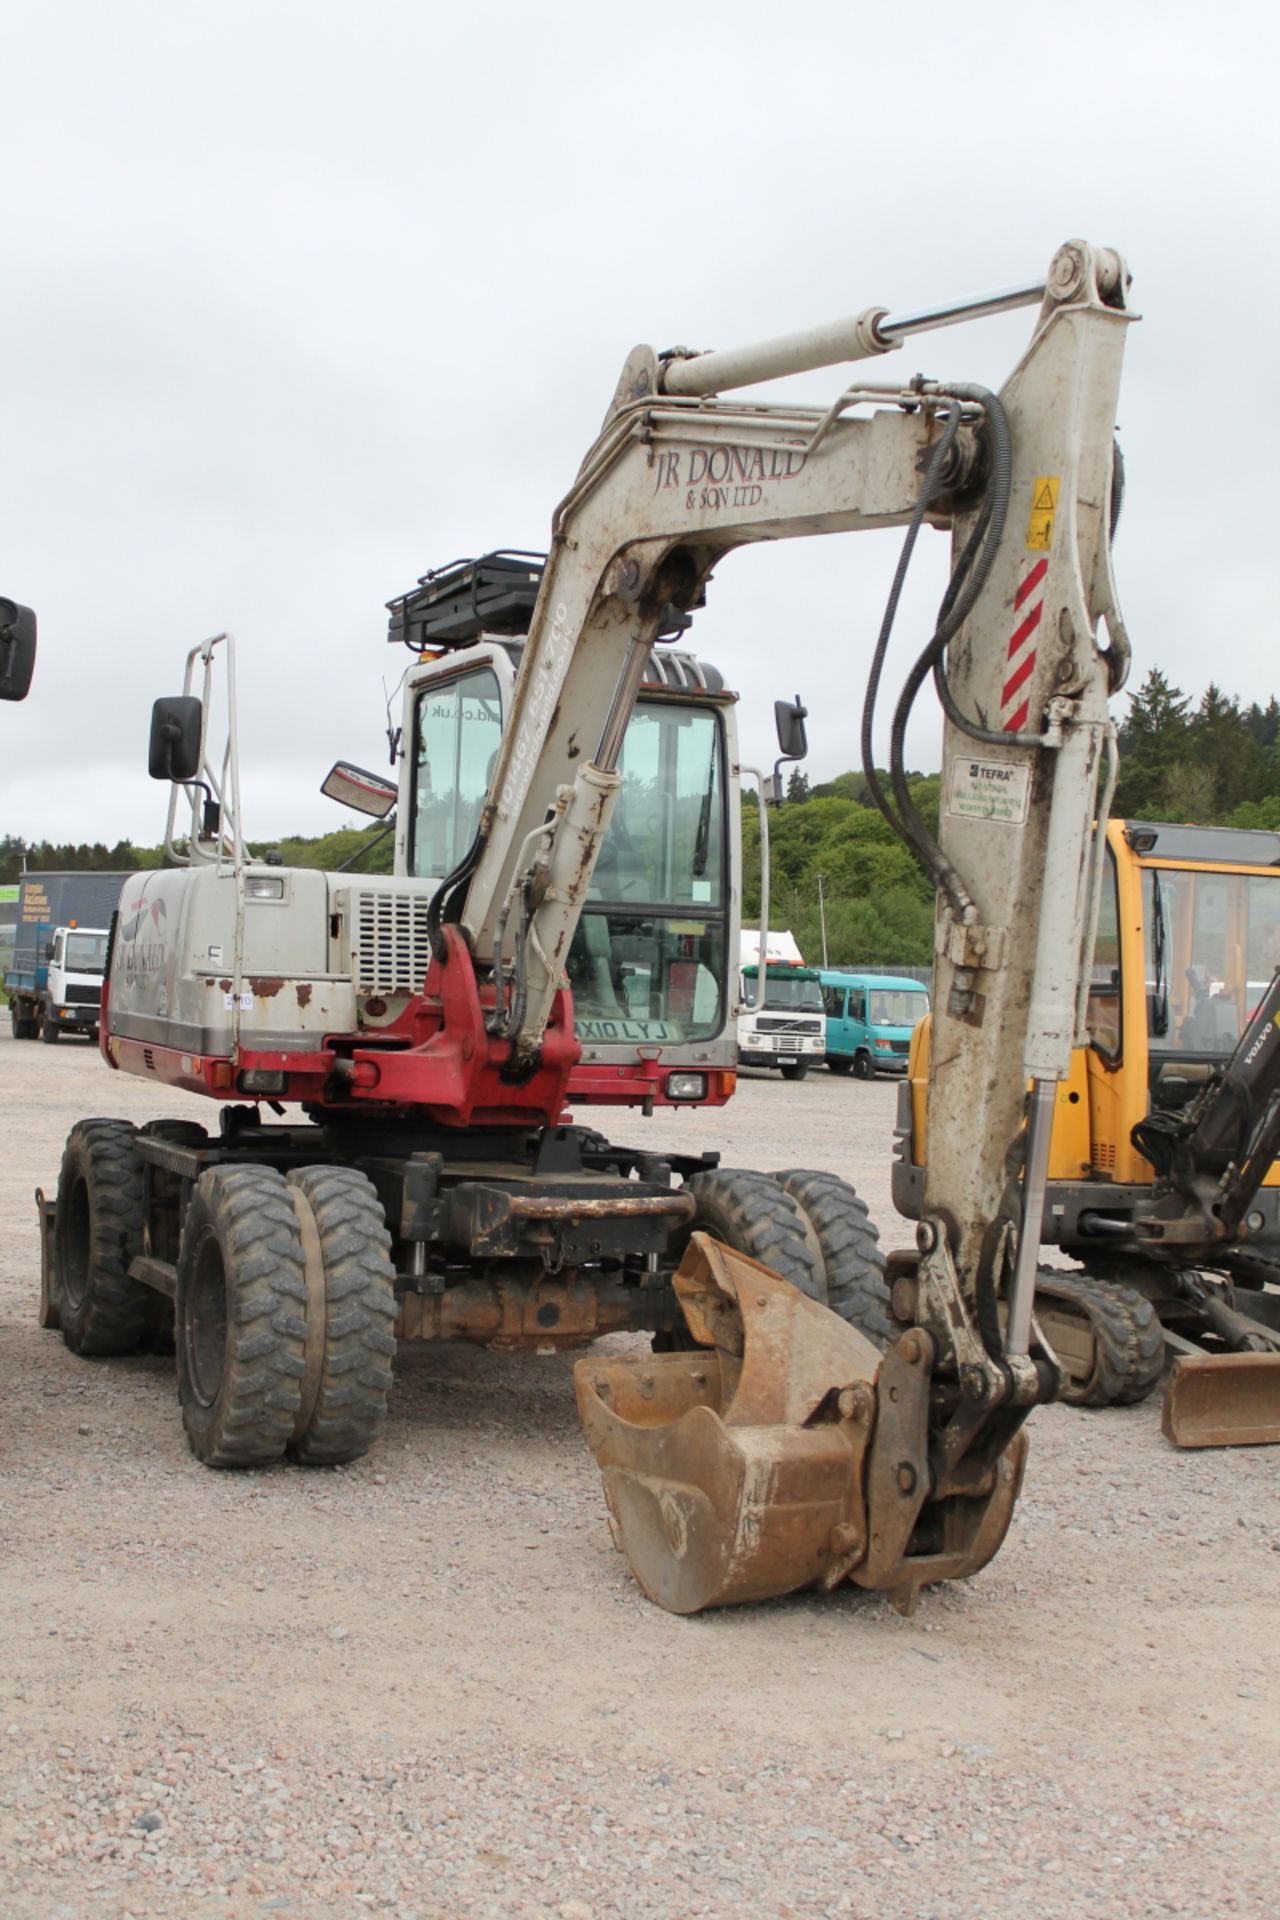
pixel 989 790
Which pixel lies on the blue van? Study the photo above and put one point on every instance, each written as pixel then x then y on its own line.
pixel 869 1020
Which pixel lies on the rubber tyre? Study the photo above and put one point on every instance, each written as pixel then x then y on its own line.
pixel 862 1067
pixel 97 1231
pixel 360 1311
pixel 797 1072
pixel 846 1241
pixel 751 1213
pixel 241 1317
pixel 839 1063
pixel 48 1032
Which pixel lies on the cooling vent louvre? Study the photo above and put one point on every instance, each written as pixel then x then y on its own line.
pixel 392 950
pixel 1104 1157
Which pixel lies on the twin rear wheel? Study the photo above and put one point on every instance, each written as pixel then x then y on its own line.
pixel 285 1310
pixel 810 1227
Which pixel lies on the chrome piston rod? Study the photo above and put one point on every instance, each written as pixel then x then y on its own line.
pixel 1044 1094
pixel 859 336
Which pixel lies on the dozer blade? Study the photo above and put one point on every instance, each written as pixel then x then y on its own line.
pixel 1223 1400
pixel 717 1489
pixel 765 1461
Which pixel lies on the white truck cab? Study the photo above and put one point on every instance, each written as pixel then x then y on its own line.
pixel 77 959
pixel 780 1021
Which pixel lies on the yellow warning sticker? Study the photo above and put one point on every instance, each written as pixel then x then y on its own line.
pixel 1044 504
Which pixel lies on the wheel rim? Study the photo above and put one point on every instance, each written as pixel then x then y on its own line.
pixel 73 1261
pixel 204 1322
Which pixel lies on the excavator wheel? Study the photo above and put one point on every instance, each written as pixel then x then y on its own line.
pixel 1107 1337
pixel 349 1357
pixel 752 1214
pixel 241 1317
pixel 840 1231
pixel 97 1231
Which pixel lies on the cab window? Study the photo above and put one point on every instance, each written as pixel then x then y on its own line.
pixel 457 731
pixel 1102 1012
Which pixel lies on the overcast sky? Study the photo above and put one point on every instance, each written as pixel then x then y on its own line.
pixel 300 300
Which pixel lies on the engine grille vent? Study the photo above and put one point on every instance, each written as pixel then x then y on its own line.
pixel 392 950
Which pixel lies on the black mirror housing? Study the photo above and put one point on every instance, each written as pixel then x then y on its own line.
pixel 17 649
pixel 365 792
pixel 789 717
pixel 176 728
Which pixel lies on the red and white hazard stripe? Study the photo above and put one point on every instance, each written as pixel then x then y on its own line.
pixel 1028 605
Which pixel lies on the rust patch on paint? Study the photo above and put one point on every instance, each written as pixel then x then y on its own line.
pixel 265 986
pixel 303 991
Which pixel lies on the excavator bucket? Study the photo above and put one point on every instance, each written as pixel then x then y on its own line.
pixel 1223 1400
pixel 734 1472
pixel 784 1452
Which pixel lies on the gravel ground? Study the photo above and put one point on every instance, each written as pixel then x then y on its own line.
pixel 427 1686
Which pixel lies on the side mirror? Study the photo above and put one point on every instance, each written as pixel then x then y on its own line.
pixel 48 949
pixel 17 649
pixel 353 787
pixel 789 718
pixel 176 728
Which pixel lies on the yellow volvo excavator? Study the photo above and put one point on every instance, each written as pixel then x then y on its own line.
pixel 1162 1181
pixel 426 1025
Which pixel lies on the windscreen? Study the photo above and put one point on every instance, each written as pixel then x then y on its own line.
pixel 648 960
pixel 86 953
pixel 786 992
pixel 896 1007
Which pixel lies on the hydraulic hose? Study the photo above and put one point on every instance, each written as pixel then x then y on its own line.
pixel 930 487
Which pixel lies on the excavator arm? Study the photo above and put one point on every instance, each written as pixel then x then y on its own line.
pixel 895 1472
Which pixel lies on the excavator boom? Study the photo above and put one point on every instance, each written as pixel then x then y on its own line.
pixel 776 1457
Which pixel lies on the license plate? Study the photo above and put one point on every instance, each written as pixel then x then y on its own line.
pixel 787 1060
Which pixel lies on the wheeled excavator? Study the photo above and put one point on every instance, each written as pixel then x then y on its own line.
pixel 435 1181
pixel 1163 1182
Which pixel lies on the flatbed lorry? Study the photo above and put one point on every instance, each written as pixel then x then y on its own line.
pixel 54 981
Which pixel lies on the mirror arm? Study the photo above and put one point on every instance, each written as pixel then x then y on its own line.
pixel 367 846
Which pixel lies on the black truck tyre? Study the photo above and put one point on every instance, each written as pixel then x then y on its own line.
pixel 48 1030
pixel 846 1241
pixel 751 1213
pixel 796 1071
pixel 241 1317
pixel 351 1393
pixel 863 1066
pixel 97 1231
